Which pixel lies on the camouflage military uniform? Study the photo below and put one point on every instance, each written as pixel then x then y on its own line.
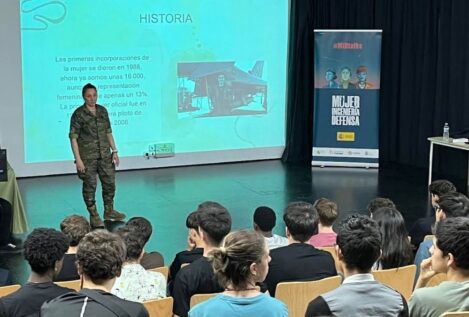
pixel 95 152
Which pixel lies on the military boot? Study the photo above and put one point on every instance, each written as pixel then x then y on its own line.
pixel 95 219
pixel 113 215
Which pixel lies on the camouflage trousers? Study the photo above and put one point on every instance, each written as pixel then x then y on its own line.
pixel 106 171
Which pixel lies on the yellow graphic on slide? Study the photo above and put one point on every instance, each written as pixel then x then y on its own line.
pixel 346 136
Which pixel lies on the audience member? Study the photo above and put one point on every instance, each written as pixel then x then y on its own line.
pixel 214 223
pixel 193 252
pixel 100 256
pixel 395 245
pixel 327 210
pixel 75 227
pixel 135 283
pixel 239 264
pixel 264 221
pixel 423 226
pixel 450 205
pixel 450 255
pixel 153 259
pixel 379 202
pixel 44 250
pixel 358 247
pixel 299 261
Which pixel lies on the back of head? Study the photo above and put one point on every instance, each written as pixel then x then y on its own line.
pixel 454 204
pixel 265 218
pixel 395 244
pixel 441 187
pixel 215 221
pixel 134 242
pixel 452 236
pixel 100 256
pixel 142 225
pixel 192 222
pixel 43 247
pixel 327 211
pixel 233 260
pixel 75 227
pixel 359 241
pixel 379 202
pixel 301 219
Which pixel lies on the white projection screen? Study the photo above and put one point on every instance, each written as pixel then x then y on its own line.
pixel 193 82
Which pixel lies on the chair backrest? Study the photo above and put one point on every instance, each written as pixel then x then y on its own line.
pixel 297 295
pixel 76 285
pixel 331 250
pixel 7 290
pixel 456 314
pixel 184 265
pixel 199 298
pixel 428 237
pixel 401 279
pixel 162 307
pixel 163 270
pixel 437 279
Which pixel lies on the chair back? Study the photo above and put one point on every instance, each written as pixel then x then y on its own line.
pixel 162 307
pixel 163 270
pixel 7 290
pixel 331 250
pixel 297 295
pixel 401 279
pixel 428 237
pixel 76 285
pixel 437 279
pixel 199 298
pixel 456 314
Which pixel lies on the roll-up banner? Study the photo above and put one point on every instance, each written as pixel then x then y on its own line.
pixel 346 103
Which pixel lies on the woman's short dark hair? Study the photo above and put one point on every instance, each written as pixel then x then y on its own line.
pixel 100 255
pixel 75 227
pixel 233 260
pixel 43 247
pixel 452 236
pixel 86 87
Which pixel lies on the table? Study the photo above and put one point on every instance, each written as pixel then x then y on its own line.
pixel 10 192
pixel 439 141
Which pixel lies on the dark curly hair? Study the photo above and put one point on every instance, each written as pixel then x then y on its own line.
pixel 359 241
pixel 233 260
pixel 43 247
pixel 100 255
pixel 142 225
pixel 133 241
pixel 301 219
pixel 75 227
pixel 452 236
pixel 441 187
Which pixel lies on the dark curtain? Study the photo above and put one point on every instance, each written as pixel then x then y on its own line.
pixel 424 74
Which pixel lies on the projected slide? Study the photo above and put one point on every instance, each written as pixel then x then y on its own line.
pixel 202 75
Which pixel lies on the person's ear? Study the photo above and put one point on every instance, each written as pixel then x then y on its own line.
pixel 450 261
pixel 253 269
pixel 287 233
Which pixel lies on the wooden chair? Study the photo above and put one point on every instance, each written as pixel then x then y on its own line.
pixel 436 280
pixel 163 270
pixel 456 314
pixel 199 298
pixel 162 307
pixel 428 237
pixel 76 285
pixel 7 290
pixel 297 295
pixel 401 279
pixel 331 250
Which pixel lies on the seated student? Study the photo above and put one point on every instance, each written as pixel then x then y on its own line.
pixel 239 264
pixel 153 259
pixel 423 226
pixel 327 210
pixel 75 227
pixel 358 247
pixel 44 250
pixel 450 255
pixel 379 202
pixel 264 222
pixel 299 261
pixel 135 283
pixel 198 277
pixel 193 252
pixel 450 205
pixel 395 245
pixel 100 256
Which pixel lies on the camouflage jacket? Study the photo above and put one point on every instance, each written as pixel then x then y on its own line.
pixel 91 132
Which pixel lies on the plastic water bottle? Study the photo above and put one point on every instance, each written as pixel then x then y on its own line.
pixel 446 132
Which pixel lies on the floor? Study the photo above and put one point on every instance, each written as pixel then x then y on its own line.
pixel 166 196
